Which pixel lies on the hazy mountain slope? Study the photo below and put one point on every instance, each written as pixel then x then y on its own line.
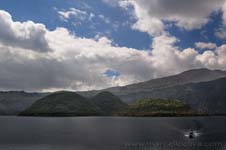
pixel 205 96
pixel 108 103
pixel 11 103
pixel 62 104
pixel 126 93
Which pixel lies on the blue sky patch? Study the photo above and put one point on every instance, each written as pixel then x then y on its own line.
pixel 111 73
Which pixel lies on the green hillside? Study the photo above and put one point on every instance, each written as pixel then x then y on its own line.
pixel 72 104
pixel 158 107
pixel 108 103
pixel 62 104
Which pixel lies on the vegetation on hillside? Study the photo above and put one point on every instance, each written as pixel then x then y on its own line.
pixel 72 104
pixel 108 103
pixel 158 107
pixel 105 104
pixel 62 104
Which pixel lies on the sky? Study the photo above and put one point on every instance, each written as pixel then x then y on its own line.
pixel 84 45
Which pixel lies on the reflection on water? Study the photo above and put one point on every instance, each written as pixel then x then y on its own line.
pixel 112 133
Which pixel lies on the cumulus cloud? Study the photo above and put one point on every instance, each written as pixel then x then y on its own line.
pixel 144 22
pixel 27 35
pixel 189 15
pixel 76 63
pixel 168 58
pixel 214 59
pixel 77 66
pixel 203 45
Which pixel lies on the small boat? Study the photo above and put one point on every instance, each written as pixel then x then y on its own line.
pixel 192 134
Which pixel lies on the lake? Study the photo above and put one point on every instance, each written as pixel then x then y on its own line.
pixel 111 133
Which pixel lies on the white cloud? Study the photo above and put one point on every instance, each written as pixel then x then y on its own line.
pixel 168 58
pixel 27 35
pixel 77 63
pixel 73 13
pixel 214 59
pixel 144 23
pixel 189 15
pixel 203 45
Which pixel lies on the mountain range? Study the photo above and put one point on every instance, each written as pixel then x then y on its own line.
pixel 203 89
pixel 133 92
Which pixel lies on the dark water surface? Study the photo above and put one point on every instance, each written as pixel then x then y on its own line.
pixel 111 133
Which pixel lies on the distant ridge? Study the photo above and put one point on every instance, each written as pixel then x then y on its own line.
pixel 191 76
pixel 209 97
pixel 13 102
